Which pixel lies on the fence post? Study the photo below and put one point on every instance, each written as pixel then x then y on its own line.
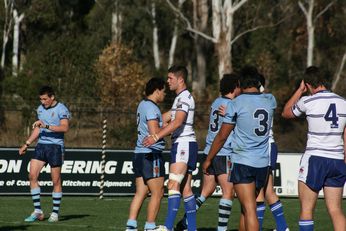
pixel 103 156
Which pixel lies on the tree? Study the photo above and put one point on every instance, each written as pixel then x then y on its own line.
pixel 223 36
pixel 8 7
pixel 308 9
pixel 15 56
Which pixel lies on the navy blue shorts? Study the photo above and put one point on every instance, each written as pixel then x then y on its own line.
pixel 273 152
pixel 318 172
pixel 186 152
pixel 148 165
pixel 244 174
pixel 49 153
pixel 219 165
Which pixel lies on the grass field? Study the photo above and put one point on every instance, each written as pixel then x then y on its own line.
pixel 90 213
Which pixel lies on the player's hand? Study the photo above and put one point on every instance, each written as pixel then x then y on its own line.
pixel 38 124
pixel 148 141
pixel 302 86
pixel 205 166
pixel 222 110
pixel 22 150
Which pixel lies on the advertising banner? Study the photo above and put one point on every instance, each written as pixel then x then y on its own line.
pixel 82 170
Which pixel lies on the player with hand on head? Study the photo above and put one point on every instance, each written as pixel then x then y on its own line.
pixel 323 165
pixel 49 129
pixel 268 193
pixel 184 149
pixel 147 162
pixel 219 171
pixel 250 116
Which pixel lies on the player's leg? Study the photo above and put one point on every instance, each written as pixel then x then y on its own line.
pixel 226 201
pixel 222 169
pixel 176 176
pixel 136 204
pixel 54 154
pixel 333 199
pixel 275 205
pixel 208 187
pixel 35 168
pixel 57 193
pixel 308 200
pixel 260 208
pixel 189 197
pixel 156 188
pixel 141 193
pixel 247 199
pixel 333 190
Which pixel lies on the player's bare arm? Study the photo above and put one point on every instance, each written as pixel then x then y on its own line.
pixel 166 118
pixel 217 144
pixel 153 127
pixel 34 135
pixel 63 127
pixel 180 117
pixel 287 112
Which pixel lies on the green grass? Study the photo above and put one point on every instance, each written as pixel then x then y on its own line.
pixel 90 213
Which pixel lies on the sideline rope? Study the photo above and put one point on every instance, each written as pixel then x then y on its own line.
pixel 103 157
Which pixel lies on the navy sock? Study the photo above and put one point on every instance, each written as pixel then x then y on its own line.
pixel 173 207
pixel 260 213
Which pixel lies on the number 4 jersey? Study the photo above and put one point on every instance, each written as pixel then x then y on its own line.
pixel 326 116
pixel 252 115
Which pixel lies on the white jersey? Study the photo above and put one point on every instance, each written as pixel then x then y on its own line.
pixel 184 102
pixel 326 116
pixel 271 134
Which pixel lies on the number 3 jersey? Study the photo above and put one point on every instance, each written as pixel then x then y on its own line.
pixel 215 122
pixel 326 116
pixel 252 115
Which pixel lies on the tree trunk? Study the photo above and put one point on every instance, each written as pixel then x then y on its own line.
pixel 339 71
pixel 116 23
pixel 174 37
pixel 200 20
pixel 311 35
pixel 8 4
pixel 155 36
pixel 15 56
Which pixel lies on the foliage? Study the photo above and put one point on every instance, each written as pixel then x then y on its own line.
pixel 120 76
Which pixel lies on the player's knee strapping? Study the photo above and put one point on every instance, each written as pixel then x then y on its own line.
pixel 177 178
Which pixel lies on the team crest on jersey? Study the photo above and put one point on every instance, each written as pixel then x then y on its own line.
pixel 52 114
pixel 301 170
pixel 182 152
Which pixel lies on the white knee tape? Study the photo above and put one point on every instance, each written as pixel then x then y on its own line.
pixel 172 192
pixel 176 177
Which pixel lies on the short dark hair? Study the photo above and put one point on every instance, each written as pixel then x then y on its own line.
pixel 249 77
pixel 179 71
pixel 153 84
pixel 46 90
pixel 228 83
pixel 261 79
pixel 316 77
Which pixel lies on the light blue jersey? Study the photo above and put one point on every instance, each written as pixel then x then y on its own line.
pixel 147 110
pixel 215 122
pixel 252 115
pixel 51 116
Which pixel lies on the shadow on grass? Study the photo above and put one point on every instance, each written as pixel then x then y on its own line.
pixel 70 217
pixel 213 229
pixel 13 227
